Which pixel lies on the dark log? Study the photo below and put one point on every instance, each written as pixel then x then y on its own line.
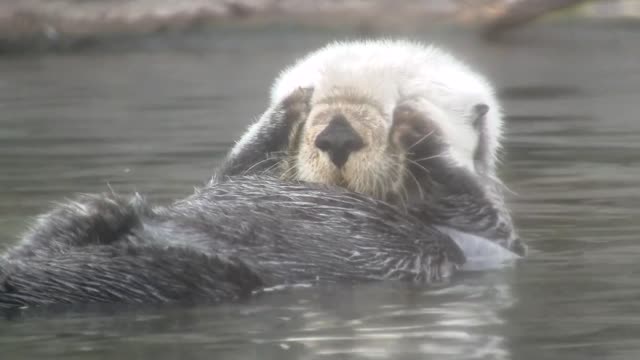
pixel 523 12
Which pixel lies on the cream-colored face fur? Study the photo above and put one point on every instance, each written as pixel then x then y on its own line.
pixel 370 170
pixel 377 168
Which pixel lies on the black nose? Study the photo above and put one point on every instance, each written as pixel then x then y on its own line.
pixel 339 140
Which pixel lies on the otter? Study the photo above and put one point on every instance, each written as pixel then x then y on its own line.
pixel 230 239
pixel 395 120
pixel 341 180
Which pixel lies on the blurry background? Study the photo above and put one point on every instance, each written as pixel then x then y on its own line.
pixel 63 24
pixel 148 96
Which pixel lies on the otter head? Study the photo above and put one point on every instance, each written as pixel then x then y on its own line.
pixel 351 140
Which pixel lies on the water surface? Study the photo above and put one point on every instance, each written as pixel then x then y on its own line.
pixel 156 120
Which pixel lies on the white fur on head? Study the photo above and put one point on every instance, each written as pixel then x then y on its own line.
pixel 392 72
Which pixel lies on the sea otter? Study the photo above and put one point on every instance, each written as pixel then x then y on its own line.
pixel 363 190
pixel 231 238
pixel 392 119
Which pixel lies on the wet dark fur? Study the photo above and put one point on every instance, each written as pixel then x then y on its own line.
pixel 224 242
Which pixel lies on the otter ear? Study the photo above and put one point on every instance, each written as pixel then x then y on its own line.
pixel 269 139
pixel 479 112
pixel 482 154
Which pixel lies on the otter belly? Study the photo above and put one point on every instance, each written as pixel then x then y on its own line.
pixel 226 241
pixel 481 253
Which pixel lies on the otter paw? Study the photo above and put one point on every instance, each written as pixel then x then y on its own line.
pixel 410 127
pixel 297 105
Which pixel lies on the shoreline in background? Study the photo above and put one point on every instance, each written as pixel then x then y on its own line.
pixel 50 25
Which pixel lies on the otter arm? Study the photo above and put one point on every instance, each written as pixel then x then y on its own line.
pixel 268 140
pixel 450 194
pixel 480 227
pixel 471 213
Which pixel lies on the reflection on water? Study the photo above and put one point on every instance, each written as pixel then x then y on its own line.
pixel 384 321
pixel 157 122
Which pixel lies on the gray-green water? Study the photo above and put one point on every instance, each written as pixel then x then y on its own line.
pixel 157 120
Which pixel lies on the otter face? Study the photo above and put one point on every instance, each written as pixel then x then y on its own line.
pixel 344 141
pixel 350 141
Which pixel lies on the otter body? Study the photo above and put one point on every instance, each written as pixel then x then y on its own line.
pixel 375 161
pixel 226 241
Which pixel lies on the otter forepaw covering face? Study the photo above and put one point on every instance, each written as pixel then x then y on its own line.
pixel 438 190
pixel 423 153
pixel 266 146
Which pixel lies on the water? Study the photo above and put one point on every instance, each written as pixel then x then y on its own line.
pixel 157 120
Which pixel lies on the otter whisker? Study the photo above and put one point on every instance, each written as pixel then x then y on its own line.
pixel 403 194
pixel 397 173
pixel 420 190
pixel 374 185
pixel 420 140
pixel 286 172
pixel 290 172
pixel 267 170
pixel 366 181
pixel 269 158
pixel 380 185
pixel 383 183
pixel 403 188
pixel 111 189
pixel 375 179
pixel 432 157
pixel 499 185
pixel 419 165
